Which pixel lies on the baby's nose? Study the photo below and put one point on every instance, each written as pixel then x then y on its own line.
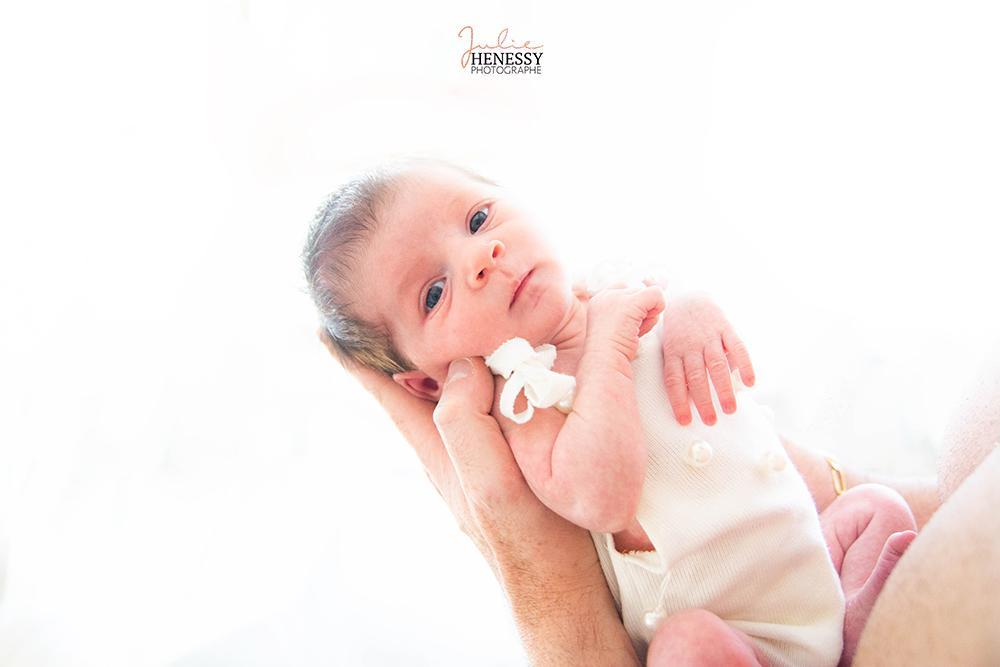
pixel 484 261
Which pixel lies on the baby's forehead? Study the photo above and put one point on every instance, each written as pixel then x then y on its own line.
pixel 433 187
pixel 429 192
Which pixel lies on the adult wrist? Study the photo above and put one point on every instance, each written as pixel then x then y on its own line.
pixel 566 618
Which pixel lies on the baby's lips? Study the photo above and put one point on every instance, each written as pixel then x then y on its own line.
pixel 516 292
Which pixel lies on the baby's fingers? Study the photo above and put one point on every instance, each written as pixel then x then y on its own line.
pixel 718 370
pixel 697 380
pixel 738 356
pixel 676 384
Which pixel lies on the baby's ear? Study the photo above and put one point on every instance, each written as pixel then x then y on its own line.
pixel 419 384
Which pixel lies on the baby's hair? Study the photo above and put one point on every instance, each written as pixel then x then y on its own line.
pixel 339 232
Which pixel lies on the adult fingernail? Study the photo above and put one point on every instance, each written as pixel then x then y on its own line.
pixel 458 369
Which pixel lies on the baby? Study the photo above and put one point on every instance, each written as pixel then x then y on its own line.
pixel 705 531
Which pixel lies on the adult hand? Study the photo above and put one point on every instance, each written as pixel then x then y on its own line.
pixel 547 566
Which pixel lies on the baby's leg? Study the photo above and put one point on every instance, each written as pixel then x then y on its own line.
pixel 698 637
pixel 867 529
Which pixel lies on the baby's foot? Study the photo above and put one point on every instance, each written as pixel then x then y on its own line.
pixel 859 605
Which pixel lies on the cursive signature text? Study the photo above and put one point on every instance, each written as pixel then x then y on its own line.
pixel 501 43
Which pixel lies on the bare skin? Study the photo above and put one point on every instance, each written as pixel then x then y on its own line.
pixel 867 531
pixel 941 606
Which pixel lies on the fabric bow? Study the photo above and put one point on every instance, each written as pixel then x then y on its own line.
pixel 529 369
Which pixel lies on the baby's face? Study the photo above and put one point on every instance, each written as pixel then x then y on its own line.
pixel 455 269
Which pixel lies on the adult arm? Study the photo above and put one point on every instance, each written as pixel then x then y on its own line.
pixel 547 566
pixel 921 493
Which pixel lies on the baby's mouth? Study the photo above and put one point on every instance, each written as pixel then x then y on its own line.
pixel 520 287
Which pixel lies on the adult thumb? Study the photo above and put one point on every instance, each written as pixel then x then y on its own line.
pixel 475 444
pixel 468 389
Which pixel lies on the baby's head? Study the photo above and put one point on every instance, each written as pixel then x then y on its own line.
pixel 417 263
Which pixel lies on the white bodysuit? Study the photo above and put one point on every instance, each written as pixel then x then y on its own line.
pixel 734 527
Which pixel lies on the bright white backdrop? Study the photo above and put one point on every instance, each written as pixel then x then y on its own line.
pixel 187 479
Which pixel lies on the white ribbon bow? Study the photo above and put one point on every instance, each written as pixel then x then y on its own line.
pixel 529 369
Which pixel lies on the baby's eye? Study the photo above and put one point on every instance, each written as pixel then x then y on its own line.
pixel 434 294
pixel 478 218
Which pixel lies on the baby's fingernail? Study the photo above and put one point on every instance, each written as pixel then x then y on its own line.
pixel 458 369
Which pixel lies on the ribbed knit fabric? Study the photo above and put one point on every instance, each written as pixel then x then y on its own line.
pixel 734 527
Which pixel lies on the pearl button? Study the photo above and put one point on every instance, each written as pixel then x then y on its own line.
pixel 699 453
pixel 652 619
pixel 775 460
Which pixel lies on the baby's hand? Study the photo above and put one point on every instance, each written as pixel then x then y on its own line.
pixel 696 337
pixel 620 316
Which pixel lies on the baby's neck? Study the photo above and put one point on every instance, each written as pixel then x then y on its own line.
pixel 569 337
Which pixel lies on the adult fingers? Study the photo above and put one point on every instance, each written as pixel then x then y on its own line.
pixel 697 379
pixel 676 384
pixel 481 457
pixel 718 370
pixel 738 355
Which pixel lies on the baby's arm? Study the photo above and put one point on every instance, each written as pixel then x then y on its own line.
pixel 589 466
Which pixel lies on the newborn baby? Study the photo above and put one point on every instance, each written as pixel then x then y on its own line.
pixel 705 531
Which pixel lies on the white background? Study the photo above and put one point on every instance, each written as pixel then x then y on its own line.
pixel 186 477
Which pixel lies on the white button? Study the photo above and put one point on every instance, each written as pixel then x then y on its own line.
pixel 775 460
pixel 699 453
pixel 652 619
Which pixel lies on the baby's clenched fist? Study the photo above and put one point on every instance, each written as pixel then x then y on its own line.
pixel 619 316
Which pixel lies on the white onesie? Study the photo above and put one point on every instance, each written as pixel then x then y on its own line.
pixel 735 531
